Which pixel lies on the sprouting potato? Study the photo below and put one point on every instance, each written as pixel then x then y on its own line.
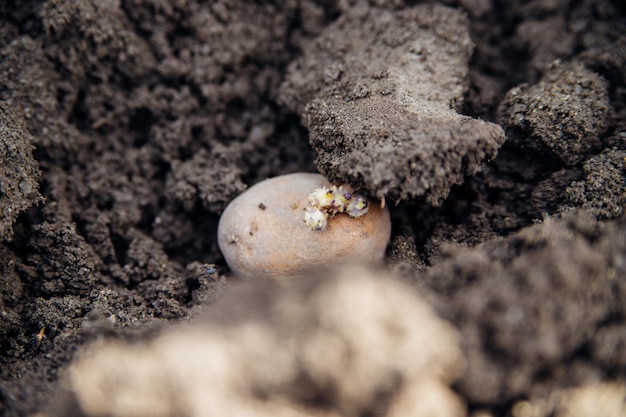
pixel 306 223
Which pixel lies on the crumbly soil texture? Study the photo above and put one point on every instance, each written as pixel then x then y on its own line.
pixel 496 130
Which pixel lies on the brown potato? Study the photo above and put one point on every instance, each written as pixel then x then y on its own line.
pixel 262 233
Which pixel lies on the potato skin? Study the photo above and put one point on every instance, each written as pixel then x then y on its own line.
pixel 273 242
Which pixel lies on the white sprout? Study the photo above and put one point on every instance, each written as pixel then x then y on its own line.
pixel 326 202
pixel 358 206
pixel 316 219
pixel 321 197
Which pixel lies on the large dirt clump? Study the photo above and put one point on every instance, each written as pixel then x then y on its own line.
pixel 378 91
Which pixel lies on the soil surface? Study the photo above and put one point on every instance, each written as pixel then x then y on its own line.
pixel 127 126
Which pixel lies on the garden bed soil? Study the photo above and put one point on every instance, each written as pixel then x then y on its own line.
pixel 126 127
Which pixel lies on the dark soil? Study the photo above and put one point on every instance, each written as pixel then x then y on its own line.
pixel 126 127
